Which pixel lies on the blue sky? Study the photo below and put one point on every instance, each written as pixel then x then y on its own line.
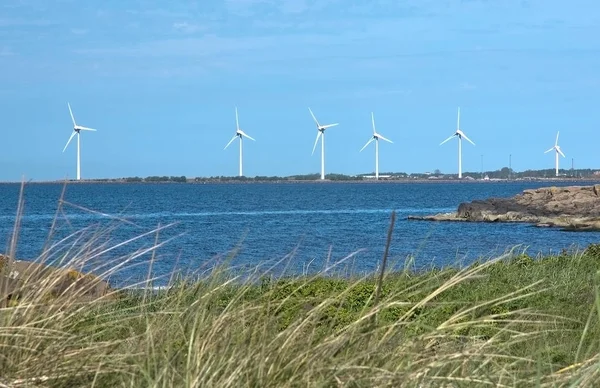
pixel 160 80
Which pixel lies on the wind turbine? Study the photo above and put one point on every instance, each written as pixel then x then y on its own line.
pixel 76 130
pixel 241 134
pixel 375 138
pixel 558 151
pixel 460 134
pixel 321 133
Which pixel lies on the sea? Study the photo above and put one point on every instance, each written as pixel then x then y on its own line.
pixel 129 232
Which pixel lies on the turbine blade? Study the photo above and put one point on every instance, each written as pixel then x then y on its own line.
pixel 230 141
pixel 244 134
pixel 557 133
pixel 560 152
pixel 328 126
pixel 458 119
pixel 383 138
pixel 237 122
pixel 549 150
pixel 448 139
pixel 316 141
pixel 71 112
pixel 85 128
pixel 467 139
pixel 70 138
pixel 369 142
pixel 313 116
pixel 373 122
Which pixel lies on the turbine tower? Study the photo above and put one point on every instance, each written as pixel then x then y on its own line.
pixel 460 135
pixel 375 138
pixel 241 134
pixel 76 131
pixel 558 151
pixel 321 133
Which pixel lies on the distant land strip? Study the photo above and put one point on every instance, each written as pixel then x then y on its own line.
pixel 503 175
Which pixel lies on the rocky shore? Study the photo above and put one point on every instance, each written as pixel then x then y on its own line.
pixel 573 208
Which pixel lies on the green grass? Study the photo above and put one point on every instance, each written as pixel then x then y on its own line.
pixel 510 322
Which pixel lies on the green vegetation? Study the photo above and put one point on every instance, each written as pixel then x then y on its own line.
pixel 503 173
pixel 506 173
pixel 176 179
pixel 514 321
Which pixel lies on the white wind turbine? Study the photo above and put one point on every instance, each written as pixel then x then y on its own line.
pixel 375 138
pixel 460 134
pixel 241 134
pixel 321 133
pixel 76 130
pixel 558 151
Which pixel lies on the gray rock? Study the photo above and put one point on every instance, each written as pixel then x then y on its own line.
pixel 570 208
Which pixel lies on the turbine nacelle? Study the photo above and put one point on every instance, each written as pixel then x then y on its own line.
pixel 459 134
pixel 321 128
pixel 241 134
pixel 378 137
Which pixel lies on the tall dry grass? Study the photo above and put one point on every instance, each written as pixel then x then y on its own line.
pixel 230 330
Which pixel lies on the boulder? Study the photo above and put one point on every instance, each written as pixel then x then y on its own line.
pixel 17 278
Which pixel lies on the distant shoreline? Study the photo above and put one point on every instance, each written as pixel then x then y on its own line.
pixel 318 181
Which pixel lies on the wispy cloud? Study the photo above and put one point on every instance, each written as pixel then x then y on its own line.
pixel 372 93
pixel 261 35
pixel 6 52
pixel 79 31
pixel 207 45
pixel 467 86
pixel 285 7
pixel 293 6
pixel 244 7
pixel 159 12
pixel 20 22
pixel 187 28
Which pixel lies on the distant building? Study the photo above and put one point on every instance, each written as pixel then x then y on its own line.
pixel 373 176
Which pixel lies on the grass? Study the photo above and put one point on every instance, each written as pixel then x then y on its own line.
pixel 511 321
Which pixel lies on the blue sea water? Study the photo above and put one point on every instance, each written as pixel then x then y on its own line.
pixel 301 227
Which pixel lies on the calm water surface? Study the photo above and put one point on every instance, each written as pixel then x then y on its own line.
pixel 318 223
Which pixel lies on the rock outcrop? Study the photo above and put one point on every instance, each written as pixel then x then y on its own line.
pixel 18 278
pixel 569 208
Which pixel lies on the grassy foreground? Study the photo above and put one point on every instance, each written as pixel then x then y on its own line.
pixel 513 321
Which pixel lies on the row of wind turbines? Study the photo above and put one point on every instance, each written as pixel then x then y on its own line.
pixel 240 135
pixel 460 135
